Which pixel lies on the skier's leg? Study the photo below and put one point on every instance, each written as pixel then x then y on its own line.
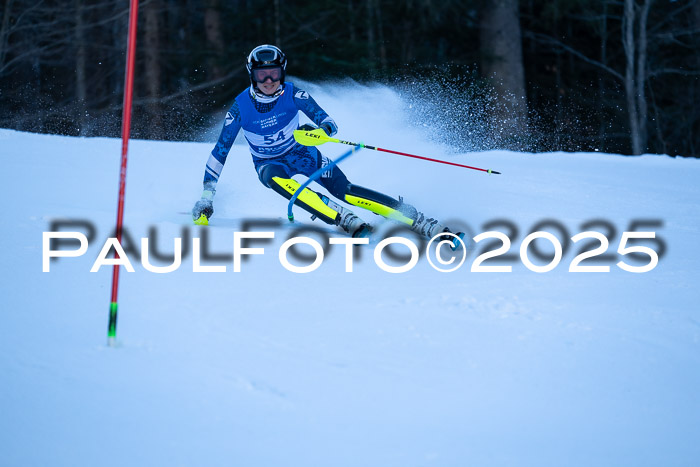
pixel 381 204
pixel 394 209
pixel 336 182
pixel 276 177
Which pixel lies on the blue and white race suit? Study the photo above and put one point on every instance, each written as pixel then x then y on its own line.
pixel 268 129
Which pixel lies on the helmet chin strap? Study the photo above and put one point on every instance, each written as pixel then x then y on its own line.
pixel 264 98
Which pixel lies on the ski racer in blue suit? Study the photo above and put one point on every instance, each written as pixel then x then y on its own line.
pixel 268 114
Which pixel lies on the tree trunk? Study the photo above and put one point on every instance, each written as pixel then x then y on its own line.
pixel 215 38
pixel 558 68
pixel 370 34
pixel 351 22
pixel 5 31
pixel 642 75
pixel 502 64
pixel 278 38
pixel 118 37
pixel 635 46
pixel 628 44
pixel 380 34
pixel 604 60
pixel 152 70
pixel 80 73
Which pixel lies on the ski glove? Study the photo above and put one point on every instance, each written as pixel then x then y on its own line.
pixel 205 205
pixel 329 127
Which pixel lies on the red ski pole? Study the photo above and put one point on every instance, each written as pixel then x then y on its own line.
pixel 318 136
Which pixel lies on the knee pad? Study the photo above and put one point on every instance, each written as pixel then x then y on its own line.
pixel 268 171
pixel 335 181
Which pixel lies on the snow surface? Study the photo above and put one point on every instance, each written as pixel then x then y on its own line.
pixel 269 367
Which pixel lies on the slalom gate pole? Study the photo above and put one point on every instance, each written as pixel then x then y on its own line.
pixel 315 176
pixel 126 130
pixel 318 136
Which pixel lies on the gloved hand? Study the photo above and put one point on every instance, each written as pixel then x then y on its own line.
pixel 307 127
pixel 205 206
pixel 329 127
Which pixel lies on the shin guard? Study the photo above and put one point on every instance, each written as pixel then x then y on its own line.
pixel 307 200
pixel 381 204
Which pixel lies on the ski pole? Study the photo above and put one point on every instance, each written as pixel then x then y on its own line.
pixel 318 136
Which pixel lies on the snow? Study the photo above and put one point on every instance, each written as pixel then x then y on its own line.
pixel 269 367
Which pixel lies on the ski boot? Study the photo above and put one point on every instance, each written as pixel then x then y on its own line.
pixel 429 227
pixel 349 221
pixel 354 225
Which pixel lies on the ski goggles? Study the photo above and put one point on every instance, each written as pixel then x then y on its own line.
pixel 260 75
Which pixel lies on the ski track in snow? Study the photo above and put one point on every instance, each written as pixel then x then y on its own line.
pixel 268 367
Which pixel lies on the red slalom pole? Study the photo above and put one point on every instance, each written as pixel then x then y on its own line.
pixel 126 130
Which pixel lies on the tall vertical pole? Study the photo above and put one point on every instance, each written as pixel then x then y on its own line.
pixel 126 130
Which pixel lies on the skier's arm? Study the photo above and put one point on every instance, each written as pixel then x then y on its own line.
pixel 216 161
pixel 217 158
pixel 311 109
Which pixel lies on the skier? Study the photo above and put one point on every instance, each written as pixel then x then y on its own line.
pixel 268 113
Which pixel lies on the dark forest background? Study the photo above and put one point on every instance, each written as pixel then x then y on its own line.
pixel 616 76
